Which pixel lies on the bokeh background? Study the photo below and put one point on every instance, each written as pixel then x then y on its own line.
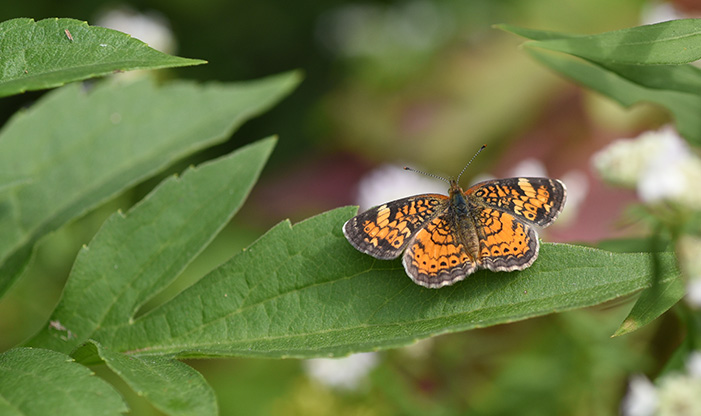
pixel 389 84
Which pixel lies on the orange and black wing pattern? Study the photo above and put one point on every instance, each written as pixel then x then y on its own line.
pixel 446 238
pixel 536 200
pixel 436 256
pixel 384 231
pixel 504 211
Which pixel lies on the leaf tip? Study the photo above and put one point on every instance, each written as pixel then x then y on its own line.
pixel 629 325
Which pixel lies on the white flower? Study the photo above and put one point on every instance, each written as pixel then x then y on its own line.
pixel 390 182
pixel 662 177
pixel 679 395
pixel 529 167
pixel 689 254
pixel 624 161
pixel 658 164
pixel 342 373
pixel 693 364
pixel 577 185
pixel 151 28
pixel 693 292
pixel 655 12
pixel 420 349
pixel 379 31
pixel 641 399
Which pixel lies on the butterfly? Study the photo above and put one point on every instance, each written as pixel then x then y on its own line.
pixel 446 238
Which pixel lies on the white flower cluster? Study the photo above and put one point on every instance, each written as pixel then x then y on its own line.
pixel 390 182
pixel 675 394
pixel 663 169
pixel 366 30
pixel 659 164
pixel 346 373
pixel 151 27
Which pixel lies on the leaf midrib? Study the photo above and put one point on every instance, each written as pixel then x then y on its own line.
pixel 185 347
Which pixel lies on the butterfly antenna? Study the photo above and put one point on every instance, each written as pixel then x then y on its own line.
pixel 468 163
pixel 427 174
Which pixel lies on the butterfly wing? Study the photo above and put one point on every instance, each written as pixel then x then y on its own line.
pixel 504 211
pixel 535 200
pixel 384 231
pixel 435 257
pixel 505 243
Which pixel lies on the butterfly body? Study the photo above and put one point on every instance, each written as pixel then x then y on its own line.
pixel 446 238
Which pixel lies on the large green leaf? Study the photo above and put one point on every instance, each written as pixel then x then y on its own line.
pixel 666 43
pixel 135 255
pixel 170 385
pixel 632 65
pixel 682 78
pixel 685 107
pixel 52 52
pixel 38 382
pixel 303 291
pixel 75 149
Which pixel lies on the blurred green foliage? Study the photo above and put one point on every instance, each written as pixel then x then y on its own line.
pixel 244 40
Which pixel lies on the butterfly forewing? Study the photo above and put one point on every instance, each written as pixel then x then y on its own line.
pixel 384 231
pixel 536 200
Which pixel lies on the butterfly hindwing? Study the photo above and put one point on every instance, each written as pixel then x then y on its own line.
pixel 435 257
pixel 506 243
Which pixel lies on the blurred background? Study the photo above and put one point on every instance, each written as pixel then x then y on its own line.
pixel 389 84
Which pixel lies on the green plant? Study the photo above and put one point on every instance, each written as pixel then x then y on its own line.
pixel 300 290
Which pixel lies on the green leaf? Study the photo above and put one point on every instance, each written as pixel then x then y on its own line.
pixel 650 244
pixel 303 291
pixel 652 303
pixel 628 65
pixel 170 385
pixel 42 382
pixel 74 150
pixel 135 255
pixel 52 52
pixel 681 78
pixel 535 34
pixel 684 107
pixel 671 42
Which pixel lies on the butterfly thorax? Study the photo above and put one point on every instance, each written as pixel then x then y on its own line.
pixel 462 222
pixel 457 199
